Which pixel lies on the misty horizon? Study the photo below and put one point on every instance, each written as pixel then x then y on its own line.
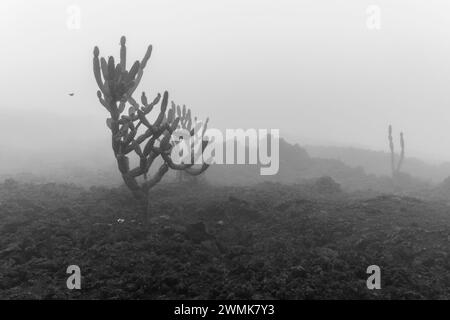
pixel 243 65
pixel 225 155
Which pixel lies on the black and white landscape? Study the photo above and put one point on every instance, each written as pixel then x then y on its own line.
pixel 225 150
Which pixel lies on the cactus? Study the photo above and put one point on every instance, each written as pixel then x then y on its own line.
pixel 396 169
pixel 186 124
pixel 117 85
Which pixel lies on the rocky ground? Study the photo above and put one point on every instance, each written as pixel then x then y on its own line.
pixel 201 242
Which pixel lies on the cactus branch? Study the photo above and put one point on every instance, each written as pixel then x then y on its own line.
pixel 402 153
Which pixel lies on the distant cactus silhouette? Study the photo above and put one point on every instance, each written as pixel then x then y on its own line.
pixel 117 85
pixel 396 169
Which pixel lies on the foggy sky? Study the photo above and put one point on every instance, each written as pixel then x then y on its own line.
pixel 309 68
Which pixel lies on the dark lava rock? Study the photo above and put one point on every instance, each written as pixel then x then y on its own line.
pixel 197 233
pixel 327 185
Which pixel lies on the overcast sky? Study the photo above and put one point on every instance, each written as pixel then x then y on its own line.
pixel 312 69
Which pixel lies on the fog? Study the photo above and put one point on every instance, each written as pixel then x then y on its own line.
pixel 312 69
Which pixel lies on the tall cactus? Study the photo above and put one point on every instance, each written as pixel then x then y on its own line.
pixel 396 169
pixel 117 85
